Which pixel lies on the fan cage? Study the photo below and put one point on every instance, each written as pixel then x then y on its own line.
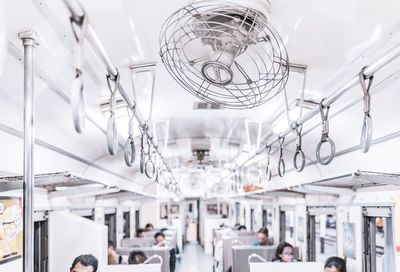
pixel 228 36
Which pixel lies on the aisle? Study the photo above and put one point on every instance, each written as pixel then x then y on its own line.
pixel 193 259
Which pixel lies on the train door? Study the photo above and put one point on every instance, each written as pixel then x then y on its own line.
pixel 378 251
pixel 321 233
pixel 286 225
pixel 192 220
pixel 110 220
pixel 267 218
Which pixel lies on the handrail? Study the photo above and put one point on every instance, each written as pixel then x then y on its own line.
pixel 387 58
pixel 257 257
pixel 77 12
pixel 158 257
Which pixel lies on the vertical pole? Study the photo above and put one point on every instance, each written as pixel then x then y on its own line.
pixel 29 40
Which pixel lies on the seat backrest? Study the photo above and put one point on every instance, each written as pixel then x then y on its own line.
pixel 131 268
pixel 240 255
pixel 227 248
pixel 286 267
pixel 163 252
pixel 141 242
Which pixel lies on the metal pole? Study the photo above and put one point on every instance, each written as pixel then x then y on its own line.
pixel 29 40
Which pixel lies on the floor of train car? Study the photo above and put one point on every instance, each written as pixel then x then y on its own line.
pixel 193 259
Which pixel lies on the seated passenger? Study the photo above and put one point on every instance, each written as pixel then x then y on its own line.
pixel 148 227
pixel 262 237
pixel 159 240
pixel 84 263
pixel 335 264
pixel 284 253
pixel 139 233
pixel 113 257
pixel 137 257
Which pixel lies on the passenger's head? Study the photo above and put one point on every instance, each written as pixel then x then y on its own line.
pixel 111 245
pixel 159 238
pixel 262 236
pixel 284 252
pixel 137 257
pixel 84 263
pixel 139 233
pixel 335 264
pixel 242 228
pixel 149 227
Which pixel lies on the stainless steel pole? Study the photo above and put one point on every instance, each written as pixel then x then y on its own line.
pixel 29 40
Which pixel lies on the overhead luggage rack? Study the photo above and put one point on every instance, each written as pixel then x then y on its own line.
pixel 48 181
pixel 122 195
pixel 361 179
pixel 345 184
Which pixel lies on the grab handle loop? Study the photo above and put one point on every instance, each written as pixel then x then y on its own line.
pixel 112 133
pixel 150 169
pixel 299 151
pixel 325 136
pixel 268 168
pixel 78 103
pixel 366 131
pixel 129 150
pixel 281 164
pixel 78 99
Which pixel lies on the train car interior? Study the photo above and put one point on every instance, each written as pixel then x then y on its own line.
pixel 199 135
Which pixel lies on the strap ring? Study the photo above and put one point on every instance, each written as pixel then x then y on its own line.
pixel 300 153
pixel 78 104
pixel 112 135
pixel 281 167
pixel 150 173
pixel 366 134
pixel 325 160
pixel 129 151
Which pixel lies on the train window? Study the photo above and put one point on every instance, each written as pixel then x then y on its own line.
pixel 378 239
pixel 137 219
pixel 322 233
pixel 90 217
pixel 86 213
pixel 237 213
pixel 286 225
pixel 311 246
pixel 41 252
pixel 127 225
pixel 252 219
pixel 110 220
pixel 282 226
pixel 267 218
